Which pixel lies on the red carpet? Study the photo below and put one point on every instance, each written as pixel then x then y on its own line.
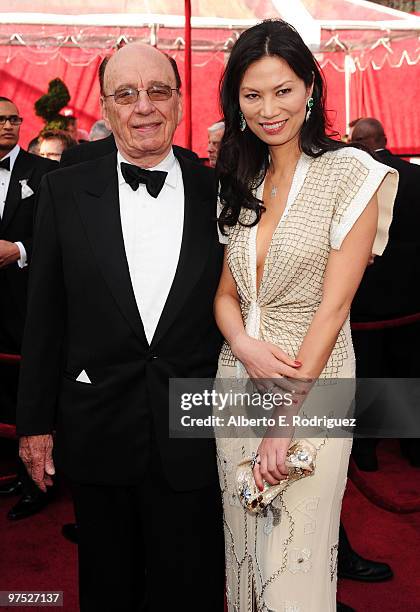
pixel 34 556
pixel 383 536
pixel 395 486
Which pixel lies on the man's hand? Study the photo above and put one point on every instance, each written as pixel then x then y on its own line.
pixel 9 253
pixel 36 454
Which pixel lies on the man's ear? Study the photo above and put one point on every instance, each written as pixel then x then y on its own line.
pixel 105 113
pixel 180 108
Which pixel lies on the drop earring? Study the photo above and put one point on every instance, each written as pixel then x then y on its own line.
pixel 242 122
pixel 309 105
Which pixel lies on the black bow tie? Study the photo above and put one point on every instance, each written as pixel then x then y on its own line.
pixel 153 179
pixel 5 164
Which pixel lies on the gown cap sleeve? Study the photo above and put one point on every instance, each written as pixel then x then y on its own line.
pixel 359 177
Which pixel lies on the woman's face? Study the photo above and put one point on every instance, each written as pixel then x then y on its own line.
pixel 273 100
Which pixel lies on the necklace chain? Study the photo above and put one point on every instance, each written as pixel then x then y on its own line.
pixel 274 189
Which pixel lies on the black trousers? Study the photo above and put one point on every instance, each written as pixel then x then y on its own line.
pixel 149 548
pixel 385 353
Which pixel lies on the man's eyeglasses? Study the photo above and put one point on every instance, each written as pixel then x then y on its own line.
pixel 129 95
pixel 12 119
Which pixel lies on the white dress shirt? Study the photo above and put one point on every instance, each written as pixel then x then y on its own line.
pixel 4 187
pixel 152 232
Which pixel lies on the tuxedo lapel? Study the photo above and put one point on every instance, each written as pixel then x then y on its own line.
pixel 98 203
pixel 196 240
pixel 22 169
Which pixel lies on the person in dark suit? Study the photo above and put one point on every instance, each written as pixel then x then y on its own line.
pixel 20 175
pixel 92 150
pixel 125 266
pixel 386 309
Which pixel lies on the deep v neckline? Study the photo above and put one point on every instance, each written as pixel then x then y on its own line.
pixel 295 187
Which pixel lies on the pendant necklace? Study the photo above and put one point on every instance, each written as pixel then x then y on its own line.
pixel 274 188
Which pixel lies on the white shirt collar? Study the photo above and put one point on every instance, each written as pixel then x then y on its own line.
pixel 12 156
pixel 168 164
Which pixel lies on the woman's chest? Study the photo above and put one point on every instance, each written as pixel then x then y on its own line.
pixel 299 243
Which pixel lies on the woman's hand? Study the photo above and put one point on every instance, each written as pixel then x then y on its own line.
pixel 263 359
pixel 267 362
pixel 271 465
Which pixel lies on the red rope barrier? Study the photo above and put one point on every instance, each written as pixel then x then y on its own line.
pixel 359 326
pixel 7 431
pixel 9 358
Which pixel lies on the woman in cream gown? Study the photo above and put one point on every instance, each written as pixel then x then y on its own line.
pixel 290 272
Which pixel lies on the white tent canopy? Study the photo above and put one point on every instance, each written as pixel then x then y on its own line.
pixel 309 17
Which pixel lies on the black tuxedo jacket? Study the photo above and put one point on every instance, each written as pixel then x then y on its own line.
pixel 390 288
pixel 98 148
pixel 82 315
pixel 17 225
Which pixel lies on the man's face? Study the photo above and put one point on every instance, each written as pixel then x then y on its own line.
pixel 72 129
pixel 52 149
pixel 144 129
pixel 213 146
pixel 9 134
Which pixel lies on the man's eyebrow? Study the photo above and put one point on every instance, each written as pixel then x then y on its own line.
pixel 126 86
pixel 151 83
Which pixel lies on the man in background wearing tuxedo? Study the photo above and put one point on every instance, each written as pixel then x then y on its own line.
pixel 20 175
pixel 125 266
pixel 386 308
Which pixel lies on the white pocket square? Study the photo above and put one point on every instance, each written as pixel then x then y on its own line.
pixel 84 378
pixel 26 191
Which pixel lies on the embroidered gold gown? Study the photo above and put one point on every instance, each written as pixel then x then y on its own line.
pixel 286 561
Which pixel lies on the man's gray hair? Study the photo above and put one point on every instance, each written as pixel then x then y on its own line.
pixel 220 125
pixel 99 130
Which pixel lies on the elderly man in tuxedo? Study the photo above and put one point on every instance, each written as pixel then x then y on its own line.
pixel 20 175
pixel 126 262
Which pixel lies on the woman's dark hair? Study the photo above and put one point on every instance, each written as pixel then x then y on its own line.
pixel 243 158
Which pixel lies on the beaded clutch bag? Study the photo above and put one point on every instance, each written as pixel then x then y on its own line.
pixel 300 460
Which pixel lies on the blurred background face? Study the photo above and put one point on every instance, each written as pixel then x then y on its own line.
pixel 51 148
pixel 143 128
pixel 72 128
pixel 273 100
pixel 213 146
pixel 9 134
